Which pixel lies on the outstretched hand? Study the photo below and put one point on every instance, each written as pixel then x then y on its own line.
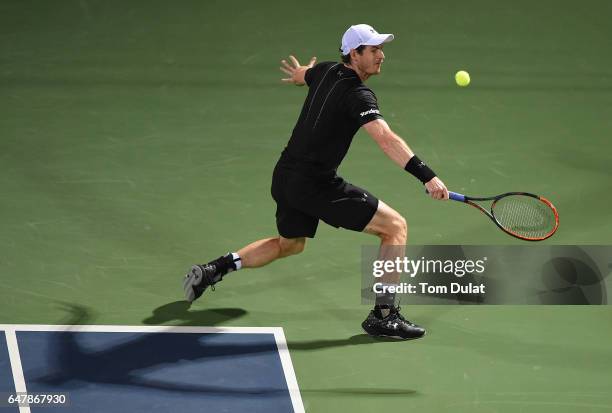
pixel 295 71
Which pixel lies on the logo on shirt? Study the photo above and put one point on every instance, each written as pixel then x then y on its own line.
pixel 369 112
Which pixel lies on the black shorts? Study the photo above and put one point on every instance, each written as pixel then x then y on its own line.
pixel 302 200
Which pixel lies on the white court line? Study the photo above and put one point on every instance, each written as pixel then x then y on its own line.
pixel 137 329
pixel 290 378
pixel 279 337
pixel 13 349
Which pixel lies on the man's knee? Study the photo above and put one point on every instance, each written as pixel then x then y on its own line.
pixel 393 229
pixel 388 225
pixel 401 225
pixel 397 228
pixel 291 246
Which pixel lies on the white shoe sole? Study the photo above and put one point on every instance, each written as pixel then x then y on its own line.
pixel 393 337
pixel 193 277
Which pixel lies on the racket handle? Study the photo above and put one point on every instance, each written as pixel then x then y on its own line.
pixel 456 196
pixel 453 195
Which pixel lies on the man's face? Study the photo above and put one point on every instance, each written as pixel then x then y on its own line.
pixel 370 60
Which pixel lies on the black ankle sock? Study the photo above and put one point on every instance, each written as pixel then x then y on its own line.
pixel 384 302
pixel 228 262
pixel 223 264
pixel 382 310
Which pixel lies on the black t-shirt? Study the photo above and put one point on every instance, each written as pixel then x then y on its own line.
pixel 337 105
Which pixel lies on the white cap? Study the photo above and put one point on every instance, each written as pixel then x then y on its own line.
pixel 362 35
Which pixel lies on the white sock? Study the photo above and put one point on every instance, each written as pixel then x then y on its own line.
pixel 237 260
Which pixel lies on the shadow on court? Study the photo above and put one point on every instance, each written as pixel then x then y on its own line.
pixel 362 391
pixel 73 364
pixel 356 340
pixel 179 310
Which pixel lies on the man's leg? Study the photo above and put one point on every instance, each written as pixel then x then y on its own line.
pixel 345 205
pixel 256 254
pixel 392 230
pixel 385 319
pixel 264 251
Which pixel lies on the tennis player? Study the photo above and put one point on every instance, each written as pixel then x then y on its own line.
pixel 305 184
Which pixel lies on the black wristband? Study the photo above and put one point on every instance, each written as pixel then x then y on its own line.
pixel 420 171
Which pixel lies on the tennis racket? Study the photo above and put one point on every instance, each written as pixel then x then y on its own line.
pixel 523 215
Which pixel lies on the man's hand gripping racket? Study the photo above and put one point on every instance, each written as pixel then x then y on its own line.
pixel 436 188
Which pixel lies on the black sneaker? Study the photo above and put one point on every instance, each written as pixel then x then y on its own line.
pixel 202 276
pixel 393 326
pixel 199 279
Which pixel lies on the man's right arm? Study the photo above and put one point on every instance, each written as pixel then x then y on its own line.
pixel 400 153
pixel 391 144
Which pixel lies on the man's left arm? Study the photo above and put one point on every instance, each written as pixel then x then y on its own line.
pixel 296 71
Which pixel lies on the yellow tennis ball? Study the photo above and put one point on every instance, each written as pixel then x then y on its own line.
pixel 462 78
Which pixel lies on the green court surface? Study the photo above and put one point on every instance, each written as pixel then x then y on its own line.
pixel 138 138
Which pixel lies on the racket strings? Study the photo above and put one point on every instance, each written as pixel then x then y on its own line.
pixel 525 216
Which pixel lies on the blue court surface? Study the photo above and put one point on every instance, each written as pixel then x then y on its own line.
pixel 149 369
